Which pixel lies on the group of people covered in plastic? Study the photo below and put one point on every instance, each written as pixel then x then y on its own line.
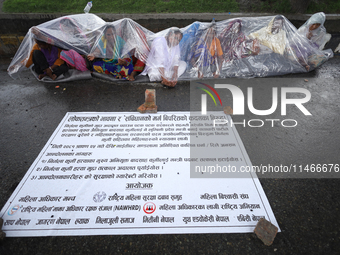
pixel 123 49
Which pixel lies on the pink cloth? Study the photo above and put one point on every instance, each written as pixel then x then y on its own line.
pixel 74 59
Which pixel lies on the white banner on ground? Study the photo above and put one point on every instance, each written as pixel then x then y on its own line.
pixel 128 173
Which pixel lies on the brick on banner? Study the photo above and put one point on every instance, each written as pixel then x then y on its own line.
pixel 265 231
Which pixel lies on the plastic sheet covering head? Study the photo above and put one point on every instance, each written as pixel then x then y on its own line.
pixel 315 31
pixel 120 39
pixel 77 32
pixel 164 63
pixel 241 47
pixel 86 34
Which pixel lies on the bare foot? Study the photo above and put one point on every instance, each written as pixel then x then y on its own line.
pixel 165 82
pixel 169 83
pixel 131 78
pixel 41 76
pixel 50 74
pixel 173 83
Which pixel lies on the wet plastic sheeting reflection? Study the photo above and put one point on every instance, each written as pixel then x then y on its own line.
pixel 240 47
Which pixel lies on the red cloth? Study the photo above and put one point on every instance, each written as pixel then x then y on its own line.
pixel 138 66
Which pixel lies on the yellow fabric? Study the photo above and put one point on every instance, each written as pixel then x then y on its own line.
pixel 98 69
pixel 58 62
pixel 275 42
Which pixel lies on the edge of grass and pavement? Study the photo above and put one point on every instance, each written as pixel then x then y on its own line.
pixel 14 26
pixel 173 6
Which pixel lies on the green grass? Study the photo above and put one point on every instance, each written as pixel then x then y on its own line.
pixel 120 6
pixel 162 6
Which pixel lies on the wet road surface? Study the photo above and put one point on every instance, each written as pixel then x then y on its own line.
pixel 307 209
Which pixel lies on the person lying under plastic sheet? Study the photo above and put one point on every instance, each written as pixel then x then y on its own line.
pixel 282 51
pixel 189 34
pixel 315 31
pixel 111 45
pixel 240 47
pixel 206 52
pixel 273 35
pixel 235 44
pixel 275 38
pixel 46 60
pixel 163 63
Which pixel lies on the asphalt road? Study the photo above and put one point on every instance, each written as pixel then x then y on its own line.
pixel 306 207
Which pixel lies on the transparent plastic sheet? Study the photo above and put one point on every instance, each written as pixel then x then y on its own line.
pixel 71 75
pixel 121 47
pixel 248 47
pixel 241 47
pixel 164 60
pixel 316 34
pixel 77 32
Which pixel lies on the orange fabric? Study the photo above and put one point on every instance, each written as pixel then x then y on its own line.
pixel 30 59
pixel 58 62
pixel 215 47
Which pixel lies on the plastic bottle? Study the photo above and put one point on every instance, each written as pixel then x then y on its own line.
pixel 88 7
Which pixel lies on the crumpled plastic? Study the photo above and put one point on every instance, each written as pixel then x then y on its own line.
pixel 319 37
pixel 240 47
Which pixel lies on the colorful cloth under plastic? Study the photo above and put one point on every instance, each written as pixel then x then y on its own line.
pixel 74 59
pixel 51 55
pixel 272 36
pixel 111 51
pixel 188 40
pixel 138 65
pixel 275 34
pixel 111 66
pixel 203 55
pixel 235 44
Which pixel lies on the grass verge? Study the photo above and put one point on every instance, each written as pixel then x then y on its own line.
pixel 165 6
pixel 120 6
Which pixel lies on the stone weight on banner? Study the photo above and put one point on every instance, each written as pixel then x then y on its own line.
pixel 150 102
pixel 266 231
